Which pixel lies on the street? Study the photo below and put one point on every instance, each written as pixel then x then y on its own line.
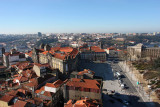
pixel 107 71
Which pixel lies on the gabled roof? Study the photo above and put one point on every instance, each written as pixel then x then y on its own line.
pixel 42 65
pixel 82 103
pixel 35 82
pixel 85 83
pixel 12 93
pixel 92 48
pixel 111 48
pixel 88 71
pixel 29 74
pixel 56 84
pixel 97 49
pixel 43 92
pixel 6 98
pixel 21 79
pixel 20 103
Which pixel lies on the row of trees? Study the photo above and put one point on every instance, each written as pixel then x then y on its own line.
pixel 141 39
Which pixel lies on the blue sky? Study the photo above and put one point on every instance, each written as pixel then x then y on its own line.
pixel 91 16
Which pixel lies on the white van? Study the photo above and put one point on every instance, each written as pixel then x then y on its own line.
pixel 123 86
pixel 118 74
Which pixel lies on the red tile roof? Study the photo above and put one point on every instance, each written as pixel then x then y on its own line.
pixel 59 52
pixel 66 49
pixel 29 53
pixel 21 79
pixel 22 90
pixel 2 67
pixel 40 90
pixel 93 48
pixel 56 84
pixel 42 65
pixel 69 104
pixel 20 103
pixel 85 83
pixel 29 74
pixel 60 56
pixel 86 71
pixel 48 94
pixel 74 53
pixel 97 49
pixel 111 48
pixel 45 93
pixel 82 103
pixel 6 98
pixel 12 93
pixel 33 83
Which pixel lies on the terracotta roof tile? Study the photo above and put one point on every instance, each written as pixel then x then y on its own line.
pixel 60 56
pixel 97 49
pixel 86 71
pixel 6 98
pixel 85 83
pixel 21 79
pixel 93 48
pixel 20 103
pixel 2 67
pixel 82 103
pixel 55 84
pixel 42 65
pixel 111 48
pixel 12 93
pixel 29 53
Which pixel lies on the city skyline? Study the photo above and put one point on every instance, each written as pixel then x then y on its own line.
pixel 91 16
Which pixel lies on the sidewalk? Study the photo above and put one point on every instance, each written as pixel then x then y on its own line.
pixel 131 76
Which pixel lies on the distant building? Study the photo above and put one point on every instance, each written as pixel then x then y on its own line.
pixel 12 57
pixel 140 51
pixel 119 39
pixel 92 53
pixel 39 34
pixel 112 52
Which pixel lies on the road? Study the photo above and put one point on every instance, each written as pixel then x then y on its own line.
pixel 106 70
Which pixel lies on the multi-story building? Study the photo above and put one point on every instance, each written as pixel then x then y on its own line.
pixel 40 69
pixel 112 52
pixel 92 53
pixel 12 57
pixel 140 51
pixel 63 58
pixel 51 92
pixel 80 88
pixel 39 34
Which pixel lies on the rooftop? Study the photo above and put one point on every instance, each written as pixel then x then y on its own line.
pixel 55 84
pixel 6 98
pixel 88 71
pixel 85 83
pixel 82 103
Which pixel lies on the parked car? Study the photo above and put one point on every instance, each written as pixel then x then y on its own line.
pixel 125 102
pixel 123 86
pixel 120 81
